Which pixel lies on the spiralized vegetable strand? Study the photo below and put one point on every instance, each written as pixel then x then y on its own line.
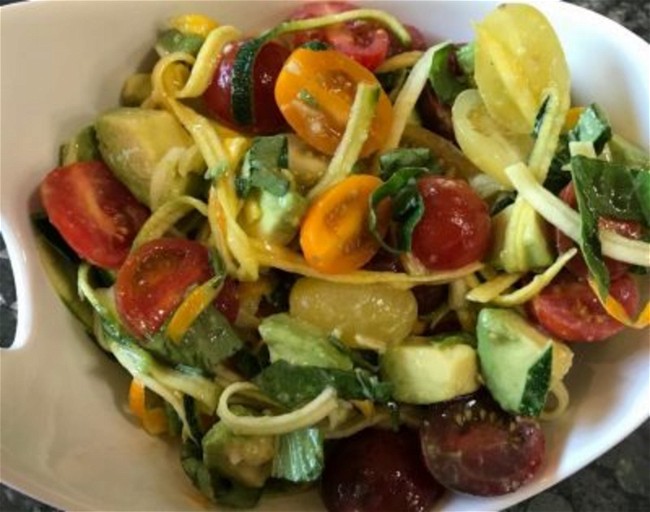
pixel 567 220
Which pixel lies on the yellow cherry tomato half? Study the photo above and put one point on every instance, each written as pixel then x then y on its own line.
pixel 334 236
pixel 315 91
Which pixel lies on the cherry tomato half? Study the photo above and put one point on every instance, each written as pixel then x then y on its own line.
pixel 364 41
pixel 266 117
pixel 577 265
pixel 455 228
pixel 378 471
pixel 315 91
pixel 569 309
pixel 154 279
pixel 93 211
pixel 334 235
pixel 472 446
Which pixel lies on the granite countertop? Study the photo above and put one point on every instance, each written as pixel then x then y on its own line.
pixel 617 481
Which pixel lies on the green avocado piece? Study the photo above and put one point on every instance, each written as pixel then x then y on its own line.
pixel 300 343
pixel 81 148
pixel 246 459
pixel 132 141
pixel 272 218
pixel 423 371
pixel 516 360
pixel 136 89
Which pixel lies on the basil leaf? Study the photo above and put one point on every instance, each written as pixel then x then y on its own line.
pixel 396 159
pixel 294 385
pixel 589 241
pixel 208 341
pixel 557 177
pixel 408 206
pixel 465 58
pixel 446 76
pixel 592 126
pixel 263 166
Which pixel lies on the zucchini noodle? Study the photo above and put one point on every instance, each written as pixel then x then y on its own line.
pixel 491 290
pixel 166 216
pixel 567 220
pixel 409 95
pixel 548 135
pixel 308 415
pixel 400 61
pixel 352 141
pixel 384 18
pixel 275 256
pixel 560 395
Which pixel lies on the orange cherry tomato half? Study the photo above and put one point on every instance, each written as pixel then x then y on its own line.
pixel 315 91
pixel 334 235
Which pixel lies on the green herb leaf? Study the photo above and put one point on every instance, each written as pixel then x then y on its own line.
pixel 592 126
pixel 263 166
pixel 208 341
pixel 299 456
pixel 293 385
pixel 408 206
pixel 397 159
pixel 446 76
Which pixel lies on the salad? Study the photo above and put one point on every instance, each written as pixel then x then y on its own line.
pixel 332 254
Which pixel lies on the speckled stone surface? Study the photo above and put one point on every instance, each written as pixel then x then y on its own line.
pixel 619 481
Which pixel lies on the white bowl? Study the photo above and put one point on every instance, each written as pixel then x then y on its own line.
pixel 66 437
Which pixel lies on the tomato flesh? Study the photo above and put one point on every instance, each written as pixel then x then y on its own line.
pixel 472 446
pixel 577 265
pixel 363 41
pixel 454 230
pixel 315 92
pixel 378 471
pixel 93 211
pixel 227 302
pixel 267 118
pixel 154 280
pixel 569 309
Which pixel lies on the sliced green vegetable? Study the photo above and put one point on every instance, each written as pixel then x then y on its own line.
pixel 214 486
pixel 299 456
pixel 300 343
pixel 242 81
pixel 293 385
pixel 592 126
pixel 172 41
pixel 81 148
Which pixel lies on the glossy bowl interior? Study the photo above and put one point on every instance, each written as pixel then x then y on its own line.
pixel 66 436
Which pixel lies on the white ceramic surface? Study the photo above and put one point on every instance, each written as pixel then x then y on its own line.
pixel 66 438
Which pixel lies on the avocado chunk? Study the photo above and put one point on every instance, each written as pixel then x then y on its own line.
pixel 300 343
pixel 81 148
pixel 516 360
pixel 424 372
pixel 246 459
pixel 272 218
pixel 136 89
pixel 132 142
pixel 519 241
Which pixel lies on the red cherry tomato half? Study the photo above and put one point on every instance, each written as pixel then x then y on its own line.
pixel 378 471
pixel 93 211
pixel 455 228
pixel 577 265
pixel 364 41
pixel 154 279
pixel 267 118
pixel 470 445
pixel 227 302
pixel 569 309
